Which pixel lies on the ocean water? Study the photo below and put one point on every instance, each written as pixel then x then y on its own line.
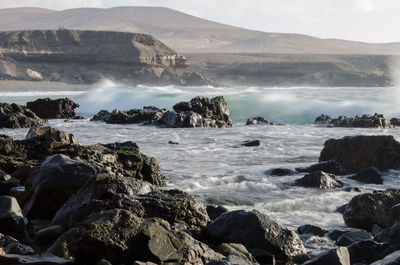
pixel 211 164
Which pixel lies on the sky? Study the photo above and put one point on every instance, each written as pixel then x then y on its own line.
pixel 362 20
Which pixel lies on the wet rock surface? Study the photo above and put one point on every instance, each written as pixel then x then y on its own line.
pixel 330 166
pixel 359 121
pixel 46 108
pixel 319 179
pixel 17 116
pixel 369 175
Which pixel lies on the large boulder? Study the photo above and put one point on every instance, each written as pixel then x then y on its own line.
pixel 12 221
pixel 257 120
pixel 17 116
pixel 319 179
pixel 392 259
pixel 322 119
pixel 176 207
pixel 339 256
pixel 369 175
pixel 257 232
pixel 52 135
pixel 46 108
pixel 365 210
pixel 367 251
pixel 361 121
pixel 149 115
pixel 58 178
pixel 355 153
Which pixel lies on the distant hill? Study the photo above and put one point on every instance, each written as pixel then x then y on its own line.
pixel 184 33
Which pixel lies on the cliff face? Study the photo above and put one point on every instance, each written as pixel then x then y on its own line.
pixel 75 56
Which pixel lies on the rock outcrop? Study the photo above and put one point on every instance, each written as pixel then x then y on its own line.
pixel 355 153
pixel 17 116
pixel 258 120
pixel 46 108
pixel 358 121
pixel 319 179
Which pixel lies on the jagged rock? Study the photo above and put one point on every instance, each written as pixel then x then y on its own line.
pixel 150 115
pixel 311 229
pixel 17 116
pixel 330 166
pixel 355 153
pixel 322 119
pixel 176 207
pixel 46 108
pixel 102 115
pixel 369 175
pixel 194 79
pixel 257 232
pixel 319 179
pixel 361 121
pixel 12 221
pixel 365 210
pixel 251 143
pixel 257 120
pixel 214 211
pixel 339 256
pixel 392 259
pixel 367 251
pixel 11 245
pixel 101 192
pixel 236 254
pixel 7 183
pixel 52 135
pixel 395 121
pixel 352 237
pixel 58 178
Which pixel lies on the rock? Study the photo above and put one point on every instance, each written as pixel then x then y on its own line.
pixel 251 143
pixel 148 115
pixel 195 79
pixel 322 119
pixel 339 256
pixel 330 166
pixel 365 210
pixel 319 179
pixel 33 75
pixel 257 232
pixel 7 183
pixel 11 245
pixel 17 116
pixel 395 121
pixel 395 212
pixel 176 207
pixel 352 237
pixel 361 121
pixel 369 175
pixel 58 178
pixel 102 115
pixel 214 211
pixel 367 251
pixel 52 135
pixel 12 221
pixel 335 234
pixel 236 254
pixel 280 172
pixel 172 142
pixel 46 108
pixel 392 259
pixel 359 152
pixel 311 229
pixel 32 260
pixel 102 192
pixel 49 234
pixel 257 120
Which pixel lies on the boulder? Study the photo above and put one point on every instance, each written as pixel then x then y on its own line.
pixel 257 232
pixel 339 256
pixel 319 179
pixel 102 115
pixel 280 172
pixel 7 183
pixel 352 237
pixel 322 119
pixel 176 207
pixel 355 153
pixel 214 211
pixel 251 143
pixel 32 260
pixel 46 108
pixel 236 254
pixel 392 259
pixel 367 251
pixel 312 230
pixel 17 116
pixel 49 234
pixel 257 120
pixel 369 175
pixel 51 135
pixel 330 166
pixel 49 187
pixel 395 121
pixel 361 121
pixel 12 221
pixel 365 210
pixel 149 115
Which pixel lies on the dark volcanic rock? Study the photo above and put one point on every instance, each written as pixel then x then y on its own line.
pixel 319 179
pixel 257 120
pixel 58 178
pixel 257 232
pixel 102 115
pixel 32 260
pixel 322 119
pixel 150 115
pixel 330 166
pixel 176 207
pixel 17 116
pixel 251 143
pixel 352 237
pixel 311 229
pixel 392 259
pixel 355 153
pixel 7 183
pixel 395 121
pixel 367 251
pixel 338 256
pixel 215 211
pixel 46 108
pixel 12 221
pixel 369 175
pixel 280 172
pixel 52 135
pixel 361 121
pixel 365 210
pixel 236 254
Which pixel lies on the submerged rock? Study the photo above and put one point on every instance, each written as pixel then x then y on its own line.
pixel 355 153
pixel 251 143
pixel 365 210
pixel 17 116
pixel 369 175
pixel 330 166
pixel 257 120
pixel 280 172
pixel 319 179
pixel 46 108
pixel 257 232
pixel 361 121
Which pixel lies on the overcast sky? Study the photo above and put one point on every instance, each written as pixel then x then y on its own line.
pixel 364 20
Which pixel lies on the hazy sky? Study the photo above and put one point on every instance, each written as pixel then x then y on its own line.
pixel 364 20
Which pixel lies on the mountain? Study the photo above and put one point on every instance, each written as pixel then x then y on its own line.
pixel 184 33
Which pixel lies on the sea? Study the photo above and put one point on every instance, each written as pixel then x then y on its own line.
pixel 212 165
